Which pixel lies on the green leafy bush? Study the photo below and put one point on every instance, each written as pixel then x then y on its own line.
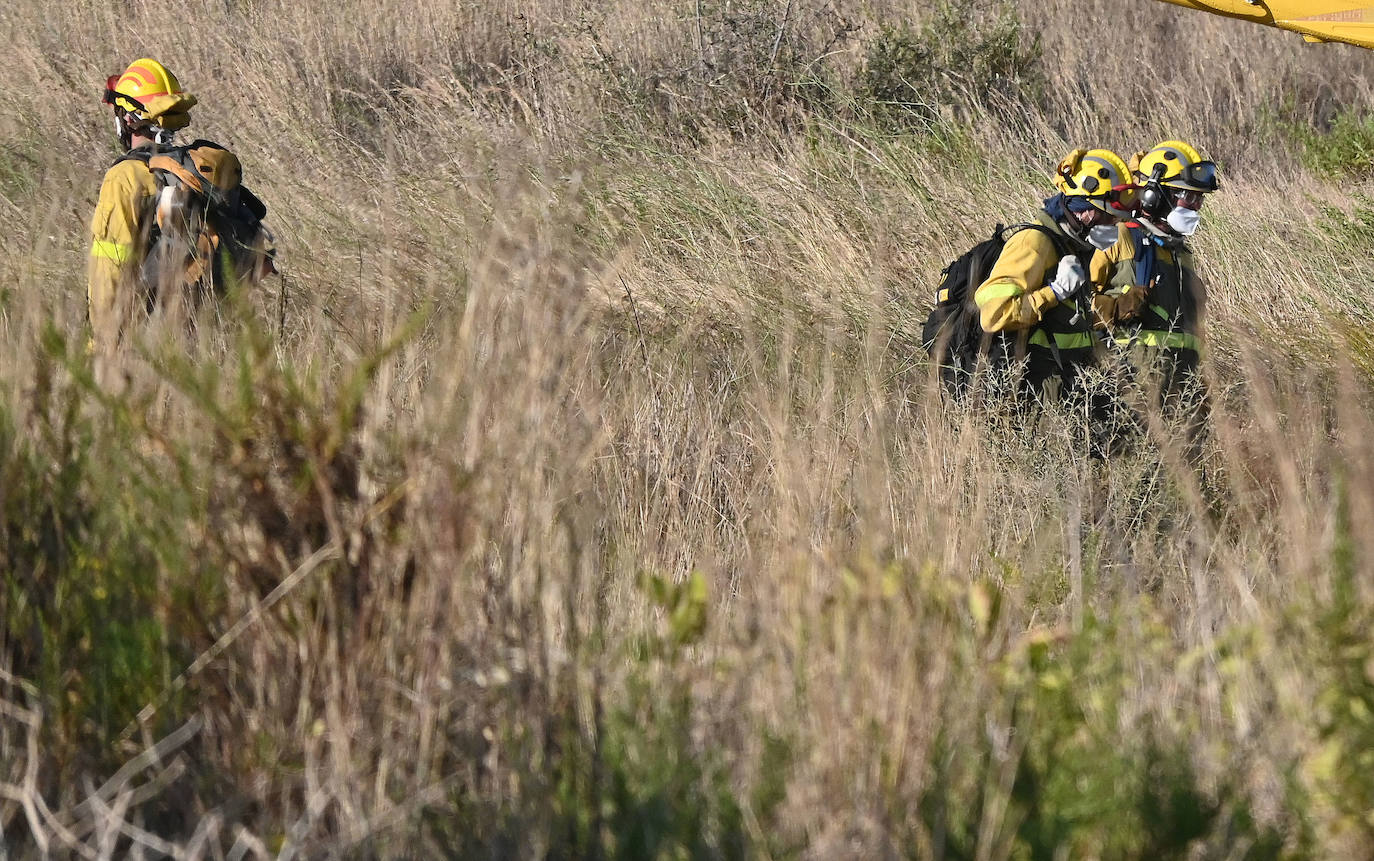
pixel 1346 148
pixel 1341 773
pixel 955 61
pixel 86 533
pixel 751 65
pixel 1342 147
pixel 1055 777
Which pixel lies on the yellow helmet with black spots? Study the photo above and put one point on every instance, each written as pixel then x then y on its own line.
pixel 148 93
pixel 1101 177
pixel 1177 165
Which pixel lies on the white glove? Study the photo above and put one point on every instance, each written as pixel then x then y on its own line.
pixel 1069 279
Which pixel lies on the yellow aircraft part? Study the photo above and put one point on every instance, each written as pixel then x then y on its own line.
pixel 1349 21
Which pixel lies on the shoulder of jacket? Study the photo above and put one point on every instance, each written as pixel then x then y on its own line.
pixel 128 167
pixel 1055 236
pixel 1034 236
pixel 130 172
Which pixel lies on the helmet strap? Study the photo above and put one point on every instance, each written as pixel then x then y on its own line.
pixel 124 130
pixel 1152 224
pixel 1163 235
pixel 1074 225
pixel 129 125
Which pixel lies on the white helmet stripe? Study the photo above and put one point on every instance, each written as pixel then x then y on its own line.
pixel 1179 154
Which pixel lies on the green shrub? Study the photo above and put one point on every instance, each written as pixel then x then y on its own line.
pixel 1062 777
pixel 636 778
pixel 955 61
pixel 655 792
pixel 1344 147
pixel 1342 771
pixel 86 531
pixel 752 65
pixel 18 169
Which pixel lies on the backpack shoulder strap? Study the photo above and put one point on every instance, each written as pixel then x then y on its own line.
pixel 175 164
pixel 142 154
pixel 205 167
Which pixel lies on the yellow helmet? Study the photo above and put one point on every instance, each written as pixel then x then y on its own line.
pixel 1100 176
pixel 149 93
pixel 1175 164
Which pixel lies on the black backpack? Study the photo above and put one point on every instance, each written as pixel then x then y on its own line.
pixel 953 334
pixel 205 224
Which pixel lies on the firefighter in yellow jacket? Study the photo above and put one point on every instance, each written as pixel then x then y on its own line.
pixel 1039 286
pixel 149 106
pixel 1153 303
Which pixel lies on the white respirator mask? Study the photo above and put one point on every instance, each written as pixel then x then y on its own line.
pixel 1184 221
pixel 1103 236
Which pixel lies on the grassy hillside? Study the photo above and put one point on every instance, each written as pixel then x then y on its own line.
pixel 580 490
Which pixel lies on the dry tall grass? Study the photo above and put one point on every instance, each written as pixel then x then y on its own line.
pixel 580 490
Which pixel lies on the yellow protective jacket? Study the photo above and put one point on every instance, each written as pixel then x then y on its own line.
pixel 1016 294
pixel 1016 298
pixel 1120 300
pixel 1165 314
pixel 118 237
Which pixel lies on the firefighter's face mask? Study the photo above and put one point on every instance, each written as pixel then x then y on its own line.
pixel 1184 221
pixel 1102 236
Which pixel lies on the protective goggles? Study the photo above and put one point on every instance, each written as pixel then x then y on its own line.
pixel 1188 198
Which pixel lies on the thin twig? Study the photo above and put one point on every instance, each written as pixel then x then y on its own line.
pixel 28 717
pixel 281 312
pixel 634 309
pixel 296 834
pixel 136 834
pixel 246 841
pixel 25 685
pixel 777 41
pixel 152 756
pixel 701 42
pixel 319 557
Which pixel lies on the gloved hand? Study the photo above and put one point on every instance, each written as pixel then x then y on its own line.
pixel 1069 279
pixel 1113 309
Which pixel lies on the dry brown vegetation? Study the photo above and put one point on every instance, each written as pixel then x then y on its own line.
pixel 581 491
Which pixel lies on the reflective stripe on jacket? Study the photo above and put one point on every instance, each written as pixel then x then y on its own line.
pixel 1170 318
pixel 1016 297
